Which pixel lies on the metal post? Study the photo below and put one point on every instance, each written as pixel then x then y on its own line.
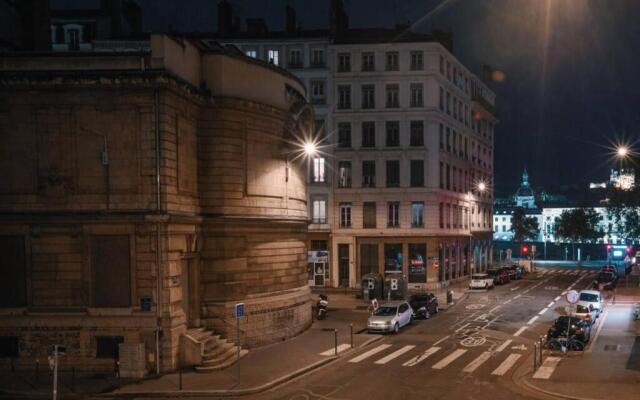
pixel 535 357
pixel 37 369
pixel 335 341
pixel 238 345
pixel 179 378
pixel 55 372
pixel 351 334
pixel 73 379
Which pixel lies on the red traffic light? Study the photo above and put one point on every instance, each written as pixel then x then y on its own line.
pixel 525 249
pixel 609 246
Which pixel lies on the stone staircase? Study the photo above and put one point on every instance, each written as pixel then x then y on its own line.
pixel 217 353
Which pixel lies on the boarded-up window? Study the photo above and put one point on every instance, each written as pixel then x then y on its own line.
pixel 369 215
pixel 110 261
pixel 13 285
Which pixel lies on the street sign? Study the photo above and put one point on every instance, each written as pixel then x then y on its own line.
pixel 572 296
pixel 239 311
pixel 533 248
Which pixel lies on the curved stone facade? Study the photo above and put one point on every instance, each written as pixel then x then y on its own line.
pixel 254 223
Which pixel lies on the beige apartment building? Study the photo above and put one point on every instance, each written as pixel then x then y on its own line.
pixel 413 143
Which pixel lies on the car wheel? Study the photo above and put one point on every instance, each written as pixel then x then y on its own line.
pixel 411 320
pixel 396 328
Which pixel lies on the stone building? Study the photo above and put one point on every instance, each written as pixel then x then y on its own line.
pixel 144 194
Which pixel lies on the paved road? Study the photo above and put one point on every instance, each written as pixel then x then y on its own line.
pixel 469 351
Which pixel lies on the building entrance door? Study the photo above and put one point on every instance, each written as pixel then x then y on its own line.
pixel 188 283
pixel 343 265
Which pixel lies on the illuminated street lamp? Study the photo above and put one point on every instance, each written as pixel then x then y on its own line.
pixel 310 148
pixel 482 186
pixel 622 152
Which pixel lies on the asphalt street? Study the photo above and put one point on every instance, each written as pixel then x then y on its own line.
pixel 467 352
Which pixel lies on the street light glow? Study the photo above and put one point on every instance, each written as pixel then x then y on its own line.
pixel 310 148
pixel 622 151
pixel 482 186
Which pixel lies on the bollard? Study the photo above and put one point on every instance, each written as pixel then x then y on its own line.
pixel 351 334
pixel 37 369
pixel 535 357
pixel 179 378
pixel 335 341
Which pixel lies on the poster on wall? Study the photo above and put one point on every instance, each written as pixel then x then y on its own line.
pixel 417 263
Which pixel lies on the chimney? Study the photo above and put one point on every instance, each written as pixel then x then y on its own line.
pixel 256 26
pixel 113 9
pixel 339 20
pixel 225 18
pixel 36 25
pixel 290 15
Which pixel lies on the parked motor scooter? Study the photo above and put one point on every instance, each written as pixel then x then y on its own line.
pixel 322 306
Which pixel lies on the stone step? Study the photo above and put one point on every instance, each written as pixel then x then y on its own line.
pixel 227 363
pixel 213 342
pixel 221 356
pixel 217 350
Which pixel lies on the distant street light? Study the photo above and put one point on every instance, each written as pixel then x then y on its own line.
pixel 622 151
pixel 482 186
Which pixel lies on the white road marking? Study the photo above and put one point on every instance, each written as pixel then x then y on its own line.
pixel 506 364
pixel 495 308
pixel 418 359
pixel 441 340
pixel 557 298
pixel 449 359
pixel 503 345
pixel 550 304
pixel 473 365
pixel 332 350
pixel 548 366
pixel 520 331
pixel 506 301
pixel 532 320
pixel 515 297
pixel 514 288
pixel 544 310
pixel 462 327
pixel 592 343
pixel 395 354
pixel 370 353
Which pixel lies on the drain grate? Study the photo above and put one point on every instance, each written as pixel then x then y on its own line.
pixel 611 347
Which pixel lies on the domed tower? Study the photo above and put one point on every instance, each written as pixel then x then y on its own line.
pixel 525 196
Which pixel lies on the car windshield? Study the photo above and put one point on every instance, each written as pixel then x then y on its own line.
pixel 562 321
pixel 386 311
pixel 478 276
pixel 582 309
pixel 492 272
pixel 418 297
pixel 605 277
pixel 588 297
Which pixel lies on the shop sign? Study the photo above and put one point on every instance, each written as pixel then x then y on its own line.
pixel 318 256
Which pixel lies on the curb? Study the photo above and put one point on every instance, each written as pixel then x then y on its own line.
pixel 521 380
pixel 237 392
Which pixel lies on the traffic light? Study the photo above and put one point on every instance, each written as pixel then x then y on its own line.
pixel 524 250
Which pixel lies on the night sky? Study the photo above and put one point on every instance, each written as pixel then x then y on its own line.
pixel 571 66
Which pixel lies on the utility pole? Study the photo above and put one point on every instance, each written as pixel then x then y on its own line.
pixel 53 364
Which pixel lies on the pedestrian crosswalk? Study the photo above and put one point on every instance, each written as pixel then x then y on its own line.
pixel 561 271
pixel 627 300
pixel 496 361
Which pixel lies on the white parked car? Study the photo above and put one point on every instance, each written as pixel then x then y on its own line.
pixel 481 281
pixel 591 299
pixel 390 317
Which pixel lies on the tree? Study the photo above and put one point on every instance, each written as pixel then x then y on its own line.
pixel 523 227
pixel 625 210
pixel 578 225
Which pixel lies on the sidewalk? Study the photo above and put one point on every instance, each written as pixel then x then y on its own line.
pixel 609 369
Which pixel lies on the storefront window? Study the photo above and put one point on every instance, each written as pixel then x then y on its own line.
pixel 417 263
pixel 393 257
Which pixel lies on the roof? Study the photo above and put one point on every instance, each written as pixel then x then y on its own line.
pixel 383 35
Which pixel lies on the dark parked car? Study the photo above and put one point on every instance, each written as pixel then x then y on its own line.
pixel 500 276
pixel 579 328
pixel 513 275
pixel 424 305
pixel 605 281
pixel 515 271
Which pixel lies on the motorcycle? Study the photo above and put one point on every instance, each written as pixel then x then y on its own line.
pixel 322 306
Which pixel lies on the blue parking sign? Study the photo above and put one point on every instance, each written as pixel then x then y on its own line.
pixel 239 310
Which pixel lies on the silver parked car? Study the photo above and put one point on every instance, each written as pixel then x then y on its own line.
pixel 390 317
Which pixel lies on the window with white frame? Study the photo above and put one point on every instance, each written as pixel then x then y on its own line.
pixel 253 53
pixel 274 57
pixel 344 62
pixel 317 57
pixel 344 97
pixel 417 63
pixel 319 170
pixel 393 215
pixel 416 95
pixel 295 58
pixel 317 90
pixel 345 215
pixel 319 212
